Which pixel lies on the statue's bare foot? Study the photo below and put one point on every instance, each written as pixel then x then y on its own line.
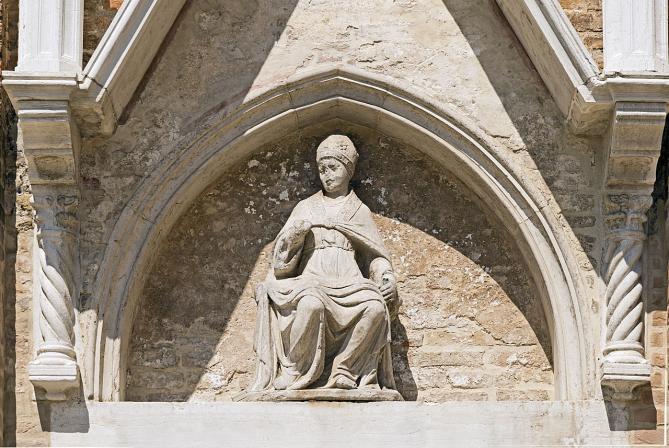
pixel 341 382
pixel 283 381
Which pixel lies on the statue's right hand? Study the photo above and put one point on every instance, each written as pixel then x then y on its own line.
pixel 302 225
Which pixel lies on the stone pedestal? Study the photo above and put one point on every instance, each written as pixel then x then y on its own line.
pixel 623 378
pixel 360 395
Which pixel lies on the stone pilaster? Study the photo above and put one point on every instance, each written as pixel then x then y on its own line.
pixel 50 36
pixel 635 139
pixel 50 139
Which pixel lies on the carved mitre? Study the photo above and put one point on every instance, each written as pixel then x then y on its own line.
pixel 341 148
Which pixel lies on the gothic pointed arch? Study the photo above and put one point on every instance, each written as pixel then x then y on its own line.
pixel 384 104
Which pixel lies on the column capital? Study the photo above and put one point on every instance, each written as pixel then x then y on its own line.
pixel 48 132
pixel 635 137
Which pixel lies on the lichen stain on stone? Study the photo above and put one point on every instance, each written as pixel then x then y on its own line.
pixel 471 326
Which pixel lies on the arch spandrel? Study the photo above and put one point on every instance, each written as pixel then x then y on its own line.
pixel 392 109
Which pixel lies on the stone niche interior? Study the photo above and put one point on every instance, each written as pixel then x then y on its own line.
pixel 471 326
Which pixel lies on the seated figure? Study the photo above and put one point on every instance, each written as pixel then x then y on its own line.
pixel 323 311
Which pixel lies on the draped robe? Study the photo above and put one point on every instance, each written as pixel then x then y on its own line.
pixel 349 333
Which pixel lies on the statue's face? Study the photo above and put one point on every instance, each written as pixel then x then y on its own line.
pixel 333 174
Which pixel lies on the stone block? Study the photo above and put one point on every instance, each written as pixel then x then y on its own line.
pixel 159 355
pixel 431 356
pixel 523 395
pixel 648 437
pixel 469 379
pixel 445 395
pixel 524 356
pixel 658 358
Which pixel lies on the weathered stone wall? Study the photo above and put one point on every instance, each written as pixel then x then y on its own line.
pixel 471 327
pixel 650 411
pixel 8 12
pixel 21 419
pixel 586 16
pixel 460 53
pixel 4 202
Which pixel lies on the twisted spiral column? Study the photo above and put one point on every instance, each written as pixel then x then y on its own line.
pixel 54 370
pixel 56 321
pixel 624 366
pixel 624 305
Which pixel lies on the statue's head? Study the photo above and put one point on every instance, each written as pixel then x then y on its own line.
pixel 336 157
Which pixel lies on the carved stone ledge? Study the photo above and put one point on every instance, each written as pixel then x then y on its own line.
pixel 48 133
pixel 622 379
pixel 361 394
pixel 53 375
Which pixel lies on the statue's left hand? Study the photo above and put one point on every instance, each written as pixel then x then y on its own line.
pixel 388 286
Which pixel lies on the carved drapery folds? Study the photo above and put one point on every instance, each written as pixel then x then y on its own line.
pixel 636 133
pixel 50 140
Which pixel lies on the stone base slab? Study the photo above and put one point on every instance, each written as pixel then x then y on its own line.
pixel 322 395
pixel 334 424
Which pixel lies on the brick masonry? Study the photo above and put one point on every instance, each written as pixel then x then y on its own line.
pixel 652 408
pixel 586 16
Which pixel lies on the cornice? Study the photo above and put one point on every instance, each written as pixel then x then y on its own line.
pixel 584 94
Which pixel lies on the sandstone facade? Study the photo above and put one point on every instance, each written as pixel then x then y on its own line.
pixel 474 324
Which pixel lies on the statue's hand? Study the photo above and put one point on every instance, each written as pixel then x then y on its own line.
pixel 388 286
pixel 388 289
pixel 302 226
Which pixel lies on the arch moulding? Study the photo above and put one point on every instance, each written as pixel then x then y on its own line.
pixel 380 103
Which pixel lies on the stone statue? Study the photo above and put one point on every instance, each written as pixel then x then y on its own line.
pixel 323 321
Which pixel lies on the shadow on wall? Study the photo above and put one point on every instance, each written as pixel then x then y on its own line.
pixel 9 239
pixel 64 416
pixel 638 414
pixel 237 35
pixel 469 305
pixel 215 49
pixel 567 163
